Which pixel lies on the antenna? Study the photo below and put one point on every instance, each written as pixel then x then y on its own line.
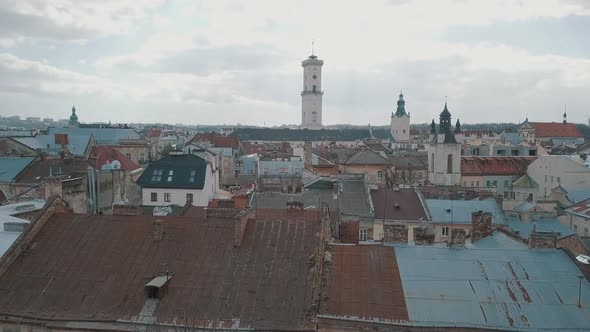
pixel 312 46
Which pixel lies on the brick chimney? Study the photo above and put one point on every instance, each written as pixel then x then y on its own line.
pixel 481 225
pixel 542 239
pixel 158 230
pixel 458 237
pixel 395 234
pixel 307 154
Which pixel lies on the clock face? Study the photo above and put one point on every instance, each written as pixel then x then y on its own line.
pixel 315 76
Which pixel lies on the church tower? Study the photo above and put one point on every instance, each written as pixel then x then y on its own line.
pixel 400 122
pixel 311 96
pixel 444 153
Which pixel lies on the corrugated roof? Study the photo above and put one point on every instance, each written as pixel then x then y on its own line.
pixel 185 171
pixel 109 136
pixel 77 144
pixel 515 289
pixel 444 211
pixel 10 167
pixel 482 166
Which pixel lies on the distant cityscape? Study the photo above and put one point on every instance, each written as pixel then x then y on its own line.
pixel 440 226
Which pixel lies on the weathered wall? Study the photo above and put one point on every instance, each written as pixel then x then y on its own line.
pixel 481 225
pixel 395 233
pixel 349 231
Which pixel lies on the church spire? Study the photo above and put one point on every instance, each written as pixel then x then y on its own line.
pixel 564 114
pixel 458 127
pixel 401 106
pixel 433 127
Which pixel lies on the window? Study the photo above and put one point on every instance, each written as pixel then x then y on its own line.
pixel 189 197
pixel 191 179
pixel 170 173
pixel 432 163
pixel 363 235
pixel 472 184
pixel 154 197
pixel 558 179
pixel 545 178
pixel 444 231
pixel 477 183
pixel 314 89
pixel 142 158
pixel 586 232
pixel 495 183
pixel 157 175
pixel 576 228
pixel 551 178
pixel 128 155
pixel 297 170
pixel 450 164
pixel 488 184
pixel 380 174
pixel 265 170
pixel 166 197
pixel 404 131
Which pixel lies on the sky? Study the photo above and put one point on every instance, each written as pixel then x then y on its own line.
pixel 239 62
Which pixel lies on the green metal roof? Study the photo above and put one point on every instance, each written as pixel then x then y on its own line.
pixel 525 181
pixel 328 135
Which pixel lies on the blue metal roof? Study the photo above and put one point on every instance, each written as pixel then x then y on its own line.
pixel 11 166
pixel 512 288
pixel 524 228
pixel 77 144
pixel 443 211
pixel 109 136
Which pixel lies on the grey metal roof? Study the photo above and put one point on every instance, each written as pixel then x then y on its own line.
pixel 525 228
pixel 367 157
pixel 109 136
pixel 310 198
pixel 512 289
pixel 78 144
pixel 354 197
pixel 460 211
pixel 10 167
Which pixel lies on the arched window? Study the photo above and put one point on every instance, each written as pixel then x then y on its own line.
pixel 314 88
pixel 450 164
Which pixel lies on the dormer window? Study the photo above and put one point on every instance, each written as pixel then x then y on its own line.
pixel 157 175
pixel 170 173
pixel 192 177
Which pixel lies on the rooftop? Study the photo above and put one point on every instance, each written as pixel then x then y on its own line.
pixel 63 168
pixel 459 212
pixel 108 136
pixel 185 171
pixel 482 166
pixel 95 268
pixel 400 204
pixel 524 228
pixel 10 167
pixel 108 157
pixel 327 135
pixel 504 288
pixel 556 129
pixel 77 144
pixel 367 157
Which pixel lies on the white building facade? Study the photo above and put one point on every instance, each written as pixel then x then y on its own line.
pixel 311 96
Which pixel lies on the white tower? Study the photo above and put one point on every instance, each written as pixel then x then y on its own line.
pixel 400 122
pixel 311 96
pixel 444 153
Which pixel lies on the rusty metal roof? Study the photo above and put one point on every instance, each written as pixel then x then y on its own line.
pixel 82 267
pixel 497 288
pixel 363 282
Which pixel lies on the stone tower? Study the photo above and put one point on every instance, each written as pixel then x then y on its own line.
pixel 444 154
pixel 400 122
pixel 311 96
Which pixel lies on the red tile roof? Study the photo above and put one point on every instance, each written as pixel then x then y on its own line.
pixel 153 133
pixel 100 155
pixel 364 282
pixel 482 166
pixel 216 140
pixel 82 267
pixel 556 129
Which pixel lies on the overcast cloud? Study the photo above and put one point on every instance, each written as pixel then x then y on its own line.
pixel 228 62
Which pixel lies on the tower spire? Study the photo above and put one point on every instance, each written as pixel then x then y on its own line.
pixel 312 46
pixel 564 113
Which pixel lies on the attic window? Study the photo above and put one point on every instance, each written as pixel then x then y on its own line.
pixel 170 173
pixel 157 175
pixel 192 178
pixel 157 287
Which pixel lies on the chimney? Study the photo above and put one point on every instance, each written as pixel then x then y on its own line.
pixel 158 230
pixel 481 225
pixel 458 237
pixel 307 154
pixel 395 234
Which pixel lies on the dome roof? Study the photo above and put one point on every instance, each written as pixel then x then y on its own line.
pixel 445 114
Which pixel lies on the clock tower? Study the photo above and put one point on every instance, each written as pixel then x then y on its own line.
pixel 311 96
